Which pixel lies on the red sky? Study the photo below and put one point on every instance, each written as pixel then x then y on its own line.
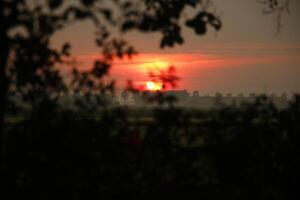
pixel 238 68
pixel 247 55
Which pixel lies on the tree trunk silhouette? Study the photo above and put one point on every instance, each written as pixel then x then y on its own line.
pixel 4 51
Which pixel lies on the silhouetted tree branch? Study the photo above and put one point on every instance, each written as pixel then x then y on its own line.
pixel 27 62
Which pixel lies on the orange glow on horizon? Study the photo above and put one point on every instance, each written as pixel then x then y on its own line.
pixel 197 70
pixel 153 86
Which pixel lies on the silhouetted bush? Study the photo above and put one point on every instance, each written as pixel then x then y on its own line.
pixel 246 152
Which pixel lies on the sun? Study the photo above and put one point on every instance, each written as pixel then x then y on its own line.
pixel 153 86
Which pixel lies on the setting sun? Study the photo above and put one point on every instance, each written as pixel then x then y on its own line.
pixel 153 86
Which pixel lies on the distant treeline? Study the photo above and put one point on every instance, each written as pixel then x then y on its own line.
pixel 186 99
pixel 246 152
pixel 181 98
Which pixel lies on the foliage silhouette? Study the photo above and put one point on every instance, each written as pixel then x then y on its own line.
pixel 247 152
pixel 55 150
pixel 27 62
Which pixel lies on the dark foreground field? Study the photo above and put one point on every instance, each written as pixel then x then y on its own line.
pixel 246 152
